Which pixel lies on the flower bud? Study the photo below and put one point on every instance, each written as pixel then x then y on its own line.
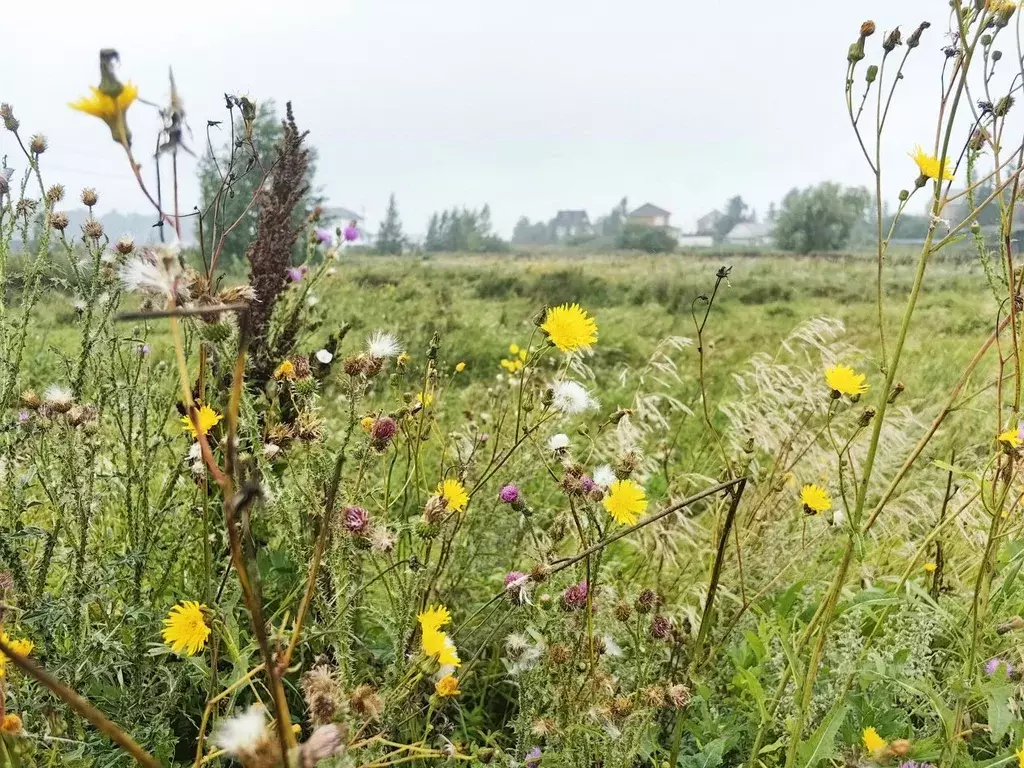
pixel 867 416
pixel 904 195
pixel 59 221
pixel 872 73
pixel 897 389
pixel 55 193
pixel 7 115
pixel 93 228
pixel 892 40
pixel 89 197
pixel 37 144
pixel 867 29
pixel 915 37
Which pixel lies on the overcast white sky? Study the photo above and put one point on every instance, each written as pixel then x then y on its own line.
pixel 532 105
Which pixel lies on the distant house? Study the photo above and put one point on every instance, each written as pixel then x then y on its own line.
pixel 753 234
pixel 568 224
pixel 339 216
pixel 696 241
pixel 649 215
pixel 707 224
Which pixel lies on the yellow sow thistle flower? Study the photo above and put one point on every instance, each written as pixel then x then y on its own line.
pixel 1020 757
pixel 112 110
pixel 435 642
pixel 207 418
pixel 425 399
pixel 454 493
pixel 569 327
pixel 22 647
pixel 366 424
pixel 460 367
pixel 928 165
pixel 873 743
pixel 434 617
pixel 185 629
pixel 1010 438
pixel 285 370
pixel 930 567
pixel 815 499
pixel 843 381
pixel 447 686
pixel 11 724
pixel 625 501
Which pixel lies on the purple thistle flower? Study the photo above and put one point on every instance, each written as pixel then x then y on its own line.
pixel 517 587
pixel 295 274
pixel 915 764
pixel 575 597
pixel 351 233
pixel 383 429
pixel 356 520
pixel 144 350
pixel 992 666
pixel 587 483
pixel 532 758
pixel 23 417
pixel 324 236
pixel 509 494
pixel 661 627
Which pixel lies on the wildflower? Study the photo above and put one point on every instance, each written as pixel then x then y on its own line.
pixel 559 442
pixel 323 236
pixel 569 327
pixel 570 398
pixel 647 601
pixel 815 499
pixel 325 742
pixel 930 567
pixel 512 366
pixel 625 501
pixel 438 645
pixel 324 357
pixel 351 233
pixel 454 494
pixel 1020 756
pixel 994 664
pixel 434 618
pixel 533 758
pixel 928 165
pixel 403 359
pixel 575 597
pixel 58 398
pixel 206 419
pixel 460 367
pixel 11 724
pixel 21 647
pixel 366 424
pixel 1011 438
pixel 447 686
pixel 156 271
pixel 873 743
pixel 604 476
pixel 23 417
pixel 425 399
pixel 509 494
pixel 185 628
pixel 679 695
pixel 285 370
pixel 383 429
pixel 382 540
pixel 295 274
pixel 661 627
pixel 242 734
pixel 382 345
pixel 366 702
pixel 517 587
pixel 356 520
pixel 110 108
pixel 843 381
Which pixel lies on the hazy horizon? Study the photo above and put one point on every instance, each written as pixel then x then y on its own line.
pixel 531 107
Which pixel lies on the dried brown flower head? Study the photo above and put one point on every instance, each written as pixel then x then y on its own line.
pixel 89 197
pixel 365 702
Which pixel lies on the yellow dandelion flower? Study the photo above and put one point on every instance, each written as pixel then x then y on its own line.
pixel 873 743
pixel 454 494
pixel 21 647
pixel 112 110
pixel 928 165
pixel 513 349
pixel 625 501
pixel 1020 757
pixel 438 645
pixel 930 567
pixel 815 499
pixel 447 686
pixel 285 370
pixel 569 327
pixel 366 424
pixel 425 399
pixel 460 367
pixel 12 724
pixel 207 418
pixel 434 618
pixel 842 379
pixel 512 366
pixel 403 359
pixel 1010 438
pixel 185 628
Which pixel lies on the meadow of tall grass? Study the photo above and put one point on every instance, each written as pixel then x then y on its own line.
pixel 606 511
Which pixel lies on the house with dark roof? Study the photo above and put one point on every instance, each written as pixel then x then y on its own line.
pixel 568 224
pixel 649 215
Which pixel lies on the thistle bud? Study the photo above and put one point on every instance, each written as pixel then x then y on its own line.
pixel 661 627
pixel 93 229
pixel 1003 106
pixel 867 29
pixel 7 114
pixel 125 245
pixel 647 601
pixel 897 390
pixel 55 193
pixel 38 144
pixel 892 40
pixel 434 509
pixel 626 464
pixel 856 52
pixel 89 197
pixel 31 400
pixel 427 530
pixel 915 37
pixel 540 317
pixel 623 611
pixel 997 55
pixel 867 416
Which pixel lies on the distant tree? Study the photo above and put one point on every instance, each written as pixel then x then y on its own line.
pixel 612 224
pixel 463 230
pixel 987 216
pixel 390 238
pixel 527 233
pixel 639 237
pixel 735 212
pixel 908 226
pixel 266 131
pixel 820 218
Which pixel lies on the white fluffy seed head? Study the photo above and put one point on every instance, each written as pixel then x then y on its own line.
pixel 324 357
pixel 242 733
pixel 604 476
pixel 558 442
pixel 571 398
pixel 383 345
